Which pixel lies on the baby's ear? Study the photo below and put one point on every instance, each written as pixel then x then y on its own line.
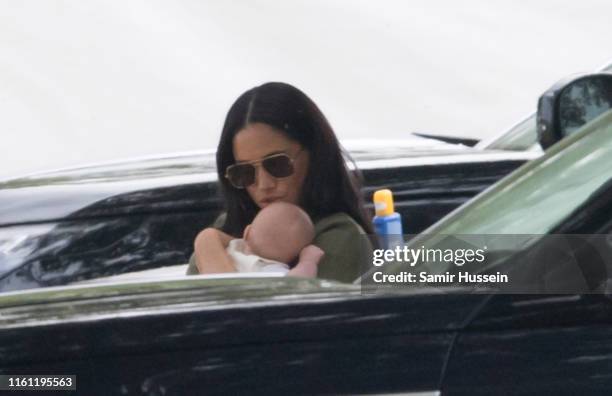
pixel 245 234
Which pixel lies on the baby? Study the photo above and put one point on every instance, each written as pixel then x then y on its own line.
pixel 278 240
pixel 273 241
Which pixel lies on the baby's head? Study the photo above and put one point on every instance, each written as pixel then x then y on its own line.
pixel 279 232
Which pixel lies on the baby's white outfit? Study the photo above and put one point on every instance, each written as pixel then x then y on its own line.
pixel 252 263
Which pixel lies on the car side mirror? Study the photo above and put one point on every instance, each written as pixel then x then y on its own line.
pixel 570 104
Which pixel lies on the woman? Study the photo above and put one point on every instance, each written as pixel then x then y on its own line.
pixel 276 145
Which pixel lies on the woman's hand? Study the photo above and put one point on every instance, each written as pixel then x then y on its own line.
pixel 309 259
pixel 211 257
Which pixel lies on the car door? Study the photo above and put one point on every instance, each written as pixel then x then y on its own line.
pixel 547 344
pixel 238 337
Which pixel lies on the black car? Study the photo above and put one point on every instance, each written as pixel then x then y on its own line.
pixel 241 334
pixel 82 223
pixel 65 225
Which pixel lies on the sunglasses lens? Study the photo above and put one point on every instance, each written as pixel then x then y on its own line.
pixel 278 166
pixel 241 175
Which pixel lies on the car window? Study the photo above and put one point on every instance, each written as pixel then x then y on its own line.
pixel 529 202
pixel 542 193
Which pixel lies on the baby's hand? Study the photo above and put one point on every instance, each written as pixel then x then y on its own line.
pixel 306 267
pixel 312 253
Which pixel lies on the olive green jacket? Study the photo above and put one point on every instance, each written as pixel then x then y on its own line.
pixel 347 249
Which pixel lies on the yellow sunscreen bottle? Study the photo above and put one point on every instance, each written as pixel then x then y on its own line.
pixel 387 222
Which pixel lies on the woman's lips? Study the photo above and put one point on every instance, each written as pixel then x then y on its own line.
pixel 269 200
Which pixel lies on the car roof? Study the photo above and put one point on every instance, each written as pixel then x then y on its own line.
pixel 187 180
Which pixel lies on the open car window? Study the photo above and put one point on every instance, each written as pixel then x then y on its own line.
pixel 542 193
pixel 535 199
pixel 521 211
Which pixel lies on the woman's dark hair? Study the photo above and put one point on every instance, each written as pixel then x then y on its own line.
pixel 328 188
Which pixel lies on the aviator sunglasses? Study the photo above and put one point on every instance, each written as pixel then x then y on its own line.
pixel 279 165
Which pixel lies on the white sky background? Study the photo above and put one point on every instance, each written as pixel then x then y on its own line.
pixel 93 80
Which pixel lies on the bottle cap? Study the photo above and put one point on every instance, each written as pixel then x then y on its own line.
pixel 383 202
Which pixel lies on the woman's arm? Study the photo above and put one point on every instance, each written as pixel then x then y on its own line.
pixel 210 252
pixel 348 251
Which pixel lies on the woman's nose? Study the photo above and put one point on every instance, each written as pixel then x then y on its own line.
pixel 264 180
